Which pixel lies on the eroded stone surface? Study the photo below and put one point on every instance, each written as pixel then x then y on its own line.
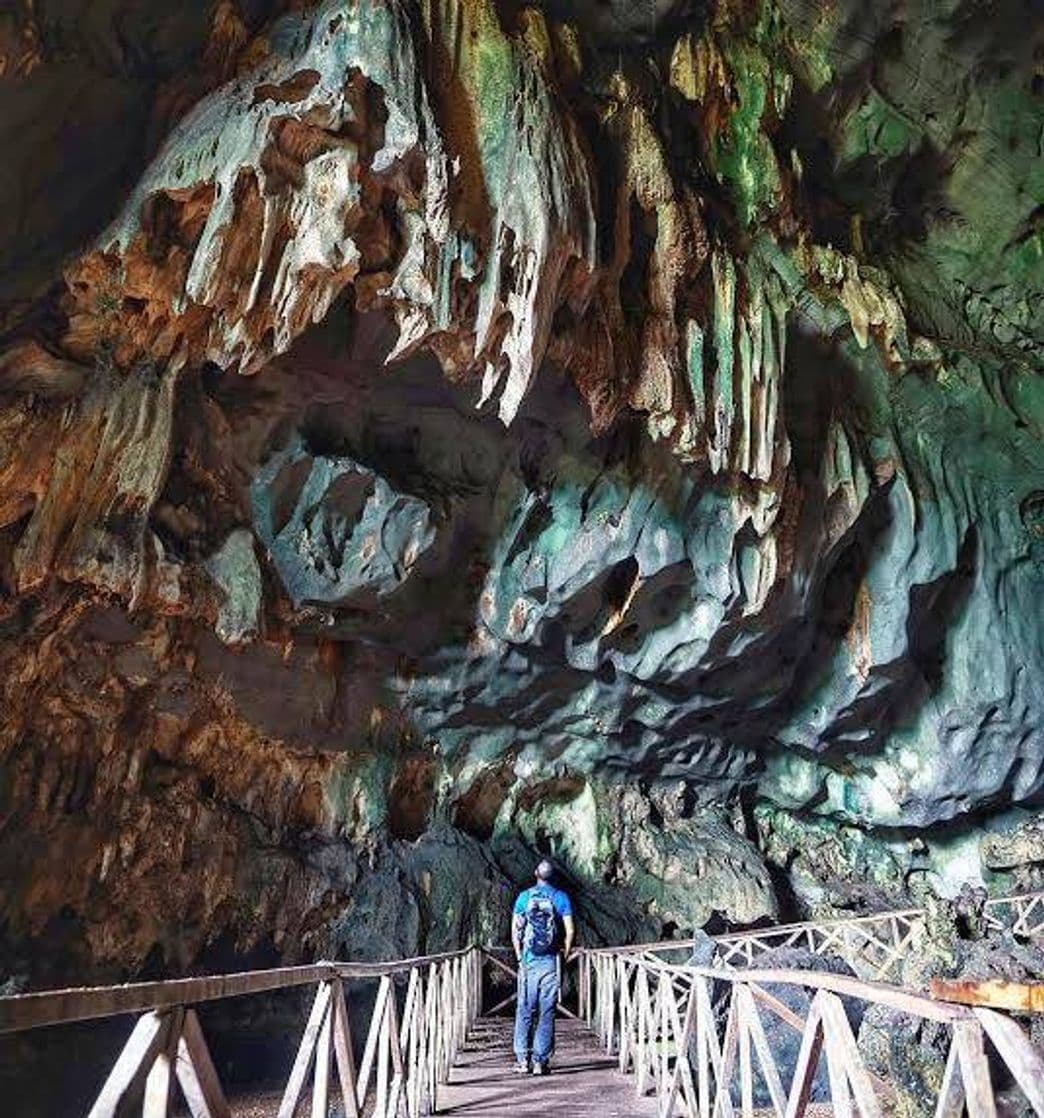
pixel 474 436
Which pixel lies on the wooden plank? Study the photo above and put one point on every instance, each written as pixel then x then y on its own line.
pixel 146 1039
pixel 415 1053
pixel 412 988
pixel 445 1030
pixel 783 1012
pixel 321 1079
pixel 430 1025
pixel 723 1069
pixel 664 994
pixel 641 1009
pixel 395 1046
pixel 343 1053
pixel 614 969
pixel 998 993
pixel 681 1076
pixel 704 1017
pixel 840 1095
pixel 159 1084
pixel 380 1109
pixel 372 1039
pixel 305 1052
pixel 502 1004
pixel 839 1036
pixel 714 1053
pixel 951 1092
pixel 745 1064
pixel 1023 1060
pixel 585 989
pixel 807 1061
pixel 628 1029
pixel 769 1068
pixel 879 992
pixel 975 1072
pixel 512 971
pixel 197 1076
pixel 53 1007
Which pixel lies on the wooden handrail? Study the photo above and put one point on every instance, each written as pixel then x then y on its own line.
pixel 660 1012
pixel 410 1045
pixel 784 931
pixel 84 1003
pixel 880 993
pixel 700 1050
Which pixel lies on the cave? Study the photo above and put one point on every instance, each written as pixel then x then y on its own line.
pixel 441 436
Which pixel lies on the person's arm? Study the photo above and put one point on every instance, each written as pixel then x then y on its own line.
pixel 570 932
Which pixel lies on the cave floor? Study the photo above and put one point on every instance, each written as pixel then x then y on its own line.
pixel 483 1083
pixel 584 1079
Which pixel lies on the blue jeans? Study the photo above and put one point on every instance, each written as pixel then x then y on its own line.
pixel 535 1015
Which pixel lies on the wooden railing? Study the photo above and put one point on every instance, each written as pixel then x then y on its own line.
pixel 419 1018
pixel 1022 914
pixel 874 946
pixel 499 959
pixel 652 1009
pixel 710 1061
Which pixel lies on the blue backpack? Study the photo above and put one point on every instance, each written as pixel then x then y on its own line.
pixel 541 925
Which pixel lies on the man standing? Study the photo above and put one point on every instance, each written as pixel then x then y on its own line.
pixel 542 932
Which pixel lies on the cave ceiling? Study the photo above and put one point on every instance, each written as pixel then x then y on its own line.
pixel 569 397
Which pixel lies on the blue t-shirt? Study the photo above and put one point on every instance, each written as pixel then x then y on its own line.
pixel 562 905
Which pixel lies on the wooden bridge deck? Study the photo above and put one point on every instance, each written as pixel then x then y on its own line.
pixel 583 1080
pixel 425 1034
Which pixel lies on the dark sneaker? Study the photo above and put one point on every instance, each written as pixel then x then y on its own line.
pixel 521 1068
pixel 541 1069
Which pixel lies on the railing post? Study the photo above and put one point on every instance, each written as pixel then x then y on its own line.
pixel 159 1084
pixel 196 1074
pixel 166 1048
pixel 431 1032
pixel 581 985
pixel 600 979
pixel 476 985
pixel 321 1087
pixel 306 1050
pixel 147 1037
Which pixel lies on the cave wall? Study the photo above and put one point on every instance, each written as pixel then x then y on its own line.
pixel 453 432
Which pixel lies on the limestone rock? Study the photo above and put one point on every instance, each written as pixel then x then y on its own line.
pixel 432 435
pixel 234 568
pixel 335 529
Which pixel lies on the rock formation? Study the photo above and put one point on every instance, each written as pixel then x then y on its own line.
pixel 437 432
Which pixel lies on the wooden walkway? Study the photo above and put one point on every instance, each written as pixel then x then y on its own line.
pixel 583 1079
pixel 669 1036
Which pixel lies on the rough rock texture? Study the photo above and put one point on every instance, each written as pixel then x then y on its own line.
pixel 453 430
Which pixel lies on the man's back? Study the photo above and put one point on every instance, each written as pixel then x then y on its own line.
pixel 531 906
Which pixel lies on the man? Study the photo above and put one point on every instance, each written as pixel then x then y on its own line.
pixel 542 932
